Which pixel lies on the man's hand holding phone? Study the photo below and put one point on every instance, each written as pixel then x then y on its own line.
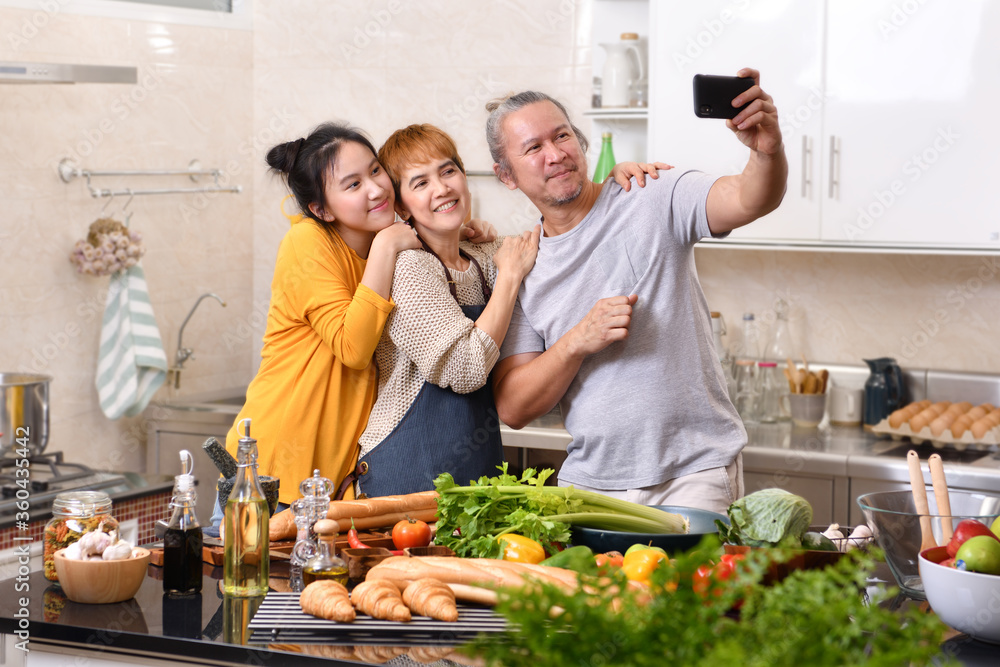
pixel 749 111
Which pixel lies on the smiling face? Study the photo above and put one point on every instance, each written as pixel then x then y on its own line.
pixel 434 196
pixel 546 160
pixel 358 192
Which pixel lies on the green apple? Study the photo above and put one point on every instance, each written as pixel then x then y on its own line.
pixel 996 527
pixel 640 547
pixel 980 554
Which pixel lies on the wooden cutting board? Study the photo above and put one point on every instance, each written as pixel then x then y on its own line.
pixel 281 550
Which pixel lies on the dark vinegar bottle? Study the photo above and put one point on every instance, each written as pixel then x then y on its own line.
pixel 182 541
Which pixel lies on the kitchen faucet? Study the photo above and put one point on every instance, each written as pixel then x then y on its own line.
pixel 184 353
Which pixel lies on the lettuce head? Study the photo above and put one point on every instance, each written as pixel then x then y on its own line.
pixel 768 518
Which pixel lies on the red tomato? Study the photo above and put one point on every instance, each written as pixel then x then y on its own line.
pixel 411 533
pixel 709 576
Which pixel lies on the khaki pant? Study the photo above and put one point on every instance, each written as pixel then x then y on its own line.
pixel 714 489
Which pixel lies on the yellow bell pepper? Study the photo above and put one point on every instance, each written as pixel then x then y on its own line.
pixel 638 565
pixel 521 549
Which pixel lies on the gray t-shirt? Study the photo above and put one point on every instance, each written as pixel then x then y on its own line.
pixel 655 406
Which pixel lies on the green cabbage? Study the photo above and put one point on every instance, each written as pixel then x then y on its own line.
pixel 769 517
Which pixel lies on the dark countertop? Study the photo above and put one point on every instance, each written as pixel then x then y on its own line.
pixel 208 627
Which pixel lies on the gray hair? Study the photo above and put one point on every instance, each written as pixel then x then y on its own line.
pixel 499 109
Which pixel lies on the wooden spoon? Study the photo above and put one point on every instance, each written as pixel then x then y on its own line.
pixel 824 376
pixel 941 496
pixel 920 500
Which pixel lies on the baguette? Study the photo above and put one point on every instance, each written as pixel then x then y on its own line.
pixel 368 513
pixel 469 571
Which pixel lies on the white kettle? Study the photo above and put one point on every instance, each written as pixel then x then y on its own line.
pixel 623 68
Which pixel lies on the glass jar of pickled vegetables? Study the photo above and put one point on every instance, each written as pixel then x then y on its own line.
pixel 74 514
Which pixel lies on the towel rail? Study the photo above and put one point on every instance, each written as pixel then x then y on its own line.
pixel 97 192
pixel 68 170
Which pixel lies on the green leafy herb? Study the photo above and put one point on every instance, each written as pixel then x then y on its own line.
pixel 816 618
pixel 470 518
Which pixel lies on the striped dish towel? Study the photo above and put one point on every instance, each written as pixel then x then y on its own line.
pixel 131 364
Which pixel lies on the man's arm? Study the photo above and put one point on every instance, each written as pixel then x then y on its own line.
pixel 528 385
pixel 737 200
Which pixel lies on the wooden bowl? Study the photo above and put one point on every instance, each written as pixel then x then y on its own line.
pixel 359 561
pixel 101 581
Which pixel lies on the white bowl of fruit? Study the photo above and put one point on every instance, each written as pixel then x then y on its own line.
pixel 962 580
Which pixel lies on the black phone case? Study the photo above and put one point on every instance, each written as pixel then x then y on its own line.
pixel 713 95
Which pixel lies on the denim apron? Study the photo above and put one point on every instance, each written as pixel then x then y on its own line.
pixel 443 431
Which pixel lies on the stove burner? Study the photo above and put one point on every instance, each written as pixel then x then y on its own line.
pixel 949 454
pixel 51 467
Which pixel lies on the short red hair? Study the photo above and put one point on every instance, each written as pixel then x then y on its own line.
pixel 416 144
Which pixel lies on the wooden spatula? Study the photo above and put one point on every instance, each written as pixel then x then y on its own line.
pixel 920 500
pixel 941 496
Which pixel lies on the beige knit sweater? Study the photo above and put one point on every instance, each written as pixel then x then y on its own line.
pixel 428 338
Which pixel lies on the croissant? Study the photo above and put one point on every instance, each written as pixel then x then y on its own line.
pixel 430 597
pixel 327 599
pixel 380 599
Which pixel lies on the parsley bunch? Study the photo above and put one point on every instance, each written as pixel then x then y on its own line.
pixel 816 618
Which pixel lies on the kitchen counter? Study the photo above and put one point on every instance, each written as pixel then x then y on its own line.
pixel 206 629
pixel 202 629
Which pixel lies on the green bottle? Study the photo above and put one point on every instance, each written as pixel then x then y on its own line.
pixel 606 162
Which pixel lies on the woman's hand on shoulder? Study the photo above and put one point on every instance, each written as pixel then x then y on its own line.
pixel 517 254
pixel 397 237
pixel 479 231
pixel 625 171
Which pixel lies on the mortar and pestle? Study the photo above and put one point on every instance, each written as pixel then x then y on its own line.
pixel 226 464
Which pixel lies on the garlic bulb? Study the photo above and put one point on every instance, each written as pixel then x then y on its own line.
pixel 120 550
pixel 94 543
pixel 860 535
pixel 73 552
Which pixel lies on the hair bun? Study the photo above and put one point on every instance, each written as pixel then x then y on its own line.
pixel 282 157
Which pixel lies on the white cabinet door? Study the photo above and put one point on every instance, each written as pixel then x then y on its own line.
pixel 912 97
pixel 784 41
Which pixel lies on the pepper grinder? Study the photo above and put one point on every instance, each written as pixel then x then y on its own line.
pixel 309 509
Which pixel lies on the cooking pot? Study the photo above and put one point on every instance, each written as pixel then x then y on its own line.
pixel 24 412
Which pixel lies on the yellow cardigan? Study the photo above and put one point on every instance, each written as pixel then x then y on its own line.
pixel 310 400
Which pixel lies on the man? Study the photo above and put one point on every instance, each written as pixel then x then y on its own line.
pixel 611 322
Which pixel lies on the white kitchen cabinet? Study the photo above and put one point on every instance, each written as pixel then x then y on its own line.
pixel 883 106
pixel 821 492
pixel 781 39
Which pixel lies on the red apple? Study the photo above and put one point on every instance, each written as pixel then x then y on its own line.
pixel 948 562
pixel 964 530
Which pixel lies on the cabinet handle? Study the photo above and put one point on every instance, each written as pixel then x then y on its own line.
pixel 806 167
pixel 834 167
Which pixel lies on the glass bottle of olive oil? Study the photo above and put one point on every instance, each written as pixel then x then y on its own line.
pixel 326 564
pixel 246 558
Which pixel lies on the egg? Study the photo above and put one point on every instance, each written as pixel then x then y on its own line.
pixel 977 412
pixel 961 425
pixel 897 418
pixel 981 426
pixel 920 421
pixel 939 425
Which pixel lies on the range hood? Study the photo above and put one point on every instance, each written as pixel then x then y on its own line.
pixel 13 72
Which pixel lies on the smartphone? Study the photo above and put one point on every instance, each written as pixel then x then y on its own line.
pixel 713 95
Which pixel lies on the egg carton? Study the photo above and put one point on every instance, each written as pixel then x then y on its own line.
pixel 989 440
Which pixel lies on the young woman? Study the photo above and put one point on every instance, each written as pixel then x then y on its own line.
pixel 310 400
pixel 435 412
